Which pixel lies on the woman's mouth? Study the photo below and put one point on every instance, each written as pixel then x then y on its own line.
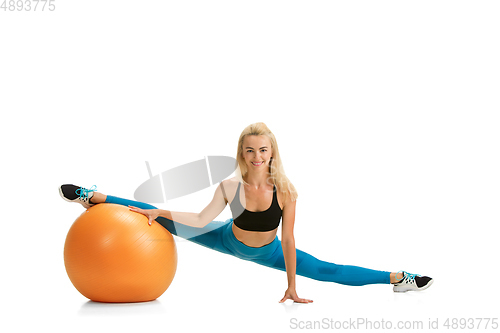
pixel 257 163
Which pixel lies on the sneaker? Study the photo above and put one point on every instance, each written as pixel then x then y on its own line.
pixel 73 193
pixel 412 282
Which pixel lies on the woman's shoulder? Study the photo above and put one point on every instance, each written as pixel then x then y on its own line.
pixel 287 193
pixel 230 185
pixel 230 182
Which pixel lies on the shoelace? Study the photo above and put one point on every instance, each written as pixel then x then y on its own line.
pixel 84 193
pixel 406 275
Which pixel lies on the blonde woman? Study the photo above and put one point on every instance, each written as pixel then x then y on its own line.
pixel 260 196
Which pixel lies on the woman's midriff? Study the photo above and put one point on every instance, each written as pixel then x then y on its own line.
pixel 254 238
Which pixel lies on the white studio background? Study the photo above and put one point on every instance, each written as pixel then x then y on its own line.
pixel 386 115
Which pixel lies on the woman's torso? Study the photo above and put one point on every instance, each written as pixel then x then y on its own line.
pixel 253 200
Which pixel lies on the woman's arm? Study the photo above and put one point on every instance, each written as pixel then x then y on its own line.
pixel 288 242
pixel 289 251
pixel 197 220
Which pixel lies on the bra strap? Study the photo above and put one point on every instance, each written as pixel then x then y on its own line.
pixel 223 192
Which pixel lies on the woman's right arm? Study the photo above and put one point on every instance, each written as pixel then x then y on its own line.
pixel 197 220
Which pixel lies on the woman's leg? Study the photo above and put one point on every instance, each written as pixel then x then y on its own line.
pixel 316 269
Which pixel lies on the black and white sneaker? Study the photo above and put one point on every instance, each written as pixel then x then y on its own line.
pixel 413 282
pixel 73 193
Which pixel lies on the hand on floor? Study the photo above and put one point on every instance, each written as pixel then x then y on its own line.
pixel 290 293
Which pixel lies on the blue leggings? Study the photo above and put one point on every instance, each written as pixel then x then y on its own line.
pixel 219 236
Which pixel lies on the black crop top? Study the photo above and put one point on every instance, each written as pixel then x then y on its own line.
pixel 255 221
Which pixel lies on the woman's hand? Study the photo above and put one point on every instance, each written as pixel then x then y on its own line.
pixel 151 214
pixel 290 293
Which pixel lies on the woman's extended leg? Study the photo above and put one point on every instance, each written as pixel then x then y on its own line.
pixel 313 268
pixel 316 269
pixel 208 236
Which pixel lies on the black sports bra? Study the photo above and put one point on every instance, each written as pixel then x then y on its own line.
pixel 255 221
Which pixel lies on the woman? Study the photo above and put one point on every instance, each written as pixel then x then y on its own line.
pixel 260 195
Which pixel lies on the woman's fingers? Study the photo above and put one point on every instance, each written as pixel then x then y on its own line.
pixel 303 300
pixel 136 209
pixel 141 211
pixel 284 298
pixel 297 300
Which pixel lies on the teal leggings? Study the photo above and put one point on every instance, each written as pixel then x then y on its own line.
pixel 220 237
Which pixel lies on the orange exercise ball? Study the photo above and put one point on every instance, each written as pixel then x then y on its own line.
pixel 111 254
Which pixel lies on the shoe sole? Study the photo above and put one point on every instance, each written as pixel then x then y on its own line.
pixel 419 289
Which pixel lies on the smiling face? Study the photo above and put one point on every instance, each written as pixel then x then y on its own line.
pixel 257 152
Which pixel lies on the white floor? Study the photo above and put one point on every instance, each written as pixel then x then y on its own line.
pixel 386 114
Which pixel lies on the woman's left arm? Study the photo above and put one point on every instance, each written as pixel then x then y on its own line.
pixel 289 251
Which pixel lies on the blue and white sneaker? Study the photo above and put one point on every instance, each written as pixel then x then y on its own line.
pixel 73 193
pixel 413 282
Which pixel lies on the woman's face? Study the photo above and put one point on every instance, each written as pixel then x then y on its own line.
pixel 257 152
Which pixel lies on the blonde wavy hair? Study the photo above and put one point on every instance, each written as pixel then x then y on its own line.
pixel 276 171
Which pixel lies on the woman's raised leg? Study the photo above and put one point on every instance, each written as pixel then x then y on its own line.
pixel 208 236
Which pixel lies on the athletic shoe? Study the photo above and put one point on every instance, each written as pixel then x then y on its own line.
pixel 412 282
pixel 73 193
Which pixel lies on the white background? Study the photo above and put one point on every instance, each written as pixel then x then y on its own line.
pixel 386 115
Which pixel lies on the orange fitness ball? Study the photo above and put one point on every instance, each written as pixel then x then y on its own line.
pixel 112 254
